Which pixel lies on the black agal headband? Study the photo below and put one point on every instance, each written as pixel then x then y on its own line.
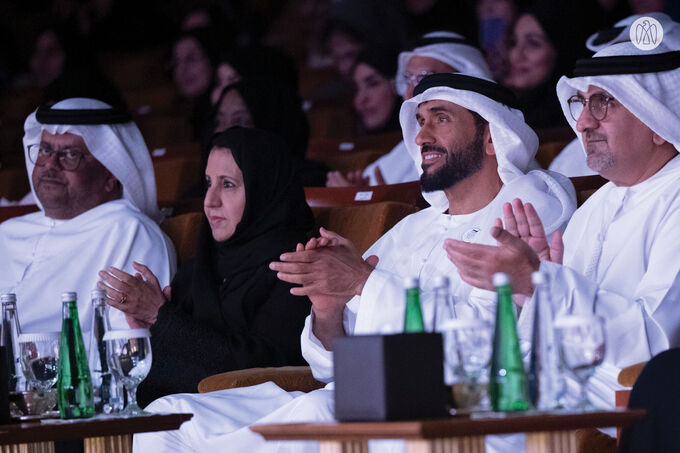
pixel 628 64
pixel 88 117
pixel 489 89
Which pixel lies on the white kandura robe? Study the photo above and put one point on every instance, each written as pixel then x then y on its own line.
pixel 571 161
pixel 43 257
pixel 396 167
pixel 622 254
pixel 414 247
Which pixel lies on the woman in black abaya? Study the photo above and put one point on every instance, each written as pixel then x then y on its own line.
pixel 227 309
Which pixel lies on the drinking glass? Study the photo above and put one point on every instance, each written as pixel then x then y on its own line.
pixel 129 357
pixel 467 348
pixel 582 349
pixel 40 361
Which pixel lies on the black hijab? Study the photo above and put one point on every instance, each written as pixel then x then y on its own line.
pixel 275 218
pixel 275 107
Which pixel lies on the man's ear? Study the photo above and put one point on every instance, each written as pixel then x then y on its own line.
pixel 488 142
pixel 656 138
pixel 112 184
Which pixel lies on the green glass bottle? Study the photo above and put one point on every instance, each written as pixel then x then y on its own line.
pixel 507 380
pixel 74 384
pixel 413 316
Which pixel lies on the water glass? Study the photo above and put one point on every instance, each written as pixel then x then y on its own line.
pixel 129 358
pixel 467 349
pixel 582 348
pixel 40 362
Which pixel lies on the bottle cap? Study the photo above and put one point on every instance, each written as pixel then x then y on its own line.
pixel 540 278
pixel 501 279
pixel 69 296
pixel 97 294
pixel 441 282
pixel 411 282
pixel 8 297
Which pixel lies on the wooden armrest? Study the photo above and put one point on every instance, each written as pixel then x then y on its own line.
pixel 629 375
pixel 289 378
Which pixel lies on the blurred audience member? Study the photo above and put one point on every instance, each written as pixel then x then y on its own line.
pixel 253 61
pixel 194 55
pixel 544 45
pixel 269 104
pixel 495 18
pixel 376 100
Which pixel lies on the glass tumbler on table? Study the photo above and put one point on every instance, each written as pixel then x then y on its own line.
pixel 129 357
pixel 40 360
pixel 581 341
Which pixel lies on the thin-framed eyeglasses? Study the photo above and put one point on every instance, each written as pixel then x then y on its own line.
pixel 414 79
pixel 598 105
pixel 69 158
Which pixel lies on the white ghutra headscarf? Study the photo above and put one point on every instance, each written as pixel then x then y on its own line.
pixel 645 82
pixel 447 47
pixel 118 146
pixel 514 141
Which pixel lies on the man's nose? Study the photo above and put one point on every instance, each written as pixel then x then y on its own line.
pixel 424 137
pixel 586 120
pixel 52 161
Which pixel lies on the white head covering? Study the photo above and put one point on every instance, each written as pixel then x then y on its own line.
pixel 118 147
pixel 620 31
pixel 514 141
pixel 653 97
pixel 464 58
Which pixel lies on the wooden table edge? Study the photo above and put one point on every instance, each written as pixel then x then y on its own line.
pixel 28 432
pixel 441 428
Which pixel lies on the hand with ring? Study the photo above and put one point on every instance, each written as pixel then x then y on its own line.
pixel 139 296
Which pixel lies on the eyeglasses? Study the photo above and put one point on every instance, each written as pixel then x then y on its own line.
pixel 598 104
pixel 414 79
pixel 68 158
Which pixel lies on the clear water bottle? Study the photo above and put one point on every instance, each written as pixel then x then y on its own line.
pixel 11 329
pixel 107 390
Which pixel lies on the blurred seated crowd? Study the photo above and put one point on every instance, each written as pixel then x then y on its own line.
pixel 144 112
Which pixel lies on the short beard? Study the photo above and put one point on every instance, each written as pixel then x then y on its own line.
pixel 598 158
pixel 459 164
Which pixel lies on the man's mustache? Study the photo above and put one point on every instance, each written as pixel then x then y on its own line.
pixel 592 136
pixel 432 148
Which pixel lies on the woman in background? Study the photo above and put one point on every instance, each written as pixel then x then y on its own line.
pixel 376 100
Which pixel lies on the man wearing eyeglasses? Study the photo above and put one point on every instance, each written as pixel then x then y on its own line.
pixel 434 53
pixel 620 251
pixel 93 180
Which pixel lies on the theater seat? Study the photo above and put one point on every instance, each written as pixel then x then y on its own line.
pixel 585 186
pixel 183 231
pixel 175 175
pixel 408 192
pixel 363 225
pixel 289 378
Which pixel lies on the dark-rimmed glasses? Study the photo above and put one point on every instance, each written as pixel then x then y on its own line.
pixel 598 104
pixel 69 158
